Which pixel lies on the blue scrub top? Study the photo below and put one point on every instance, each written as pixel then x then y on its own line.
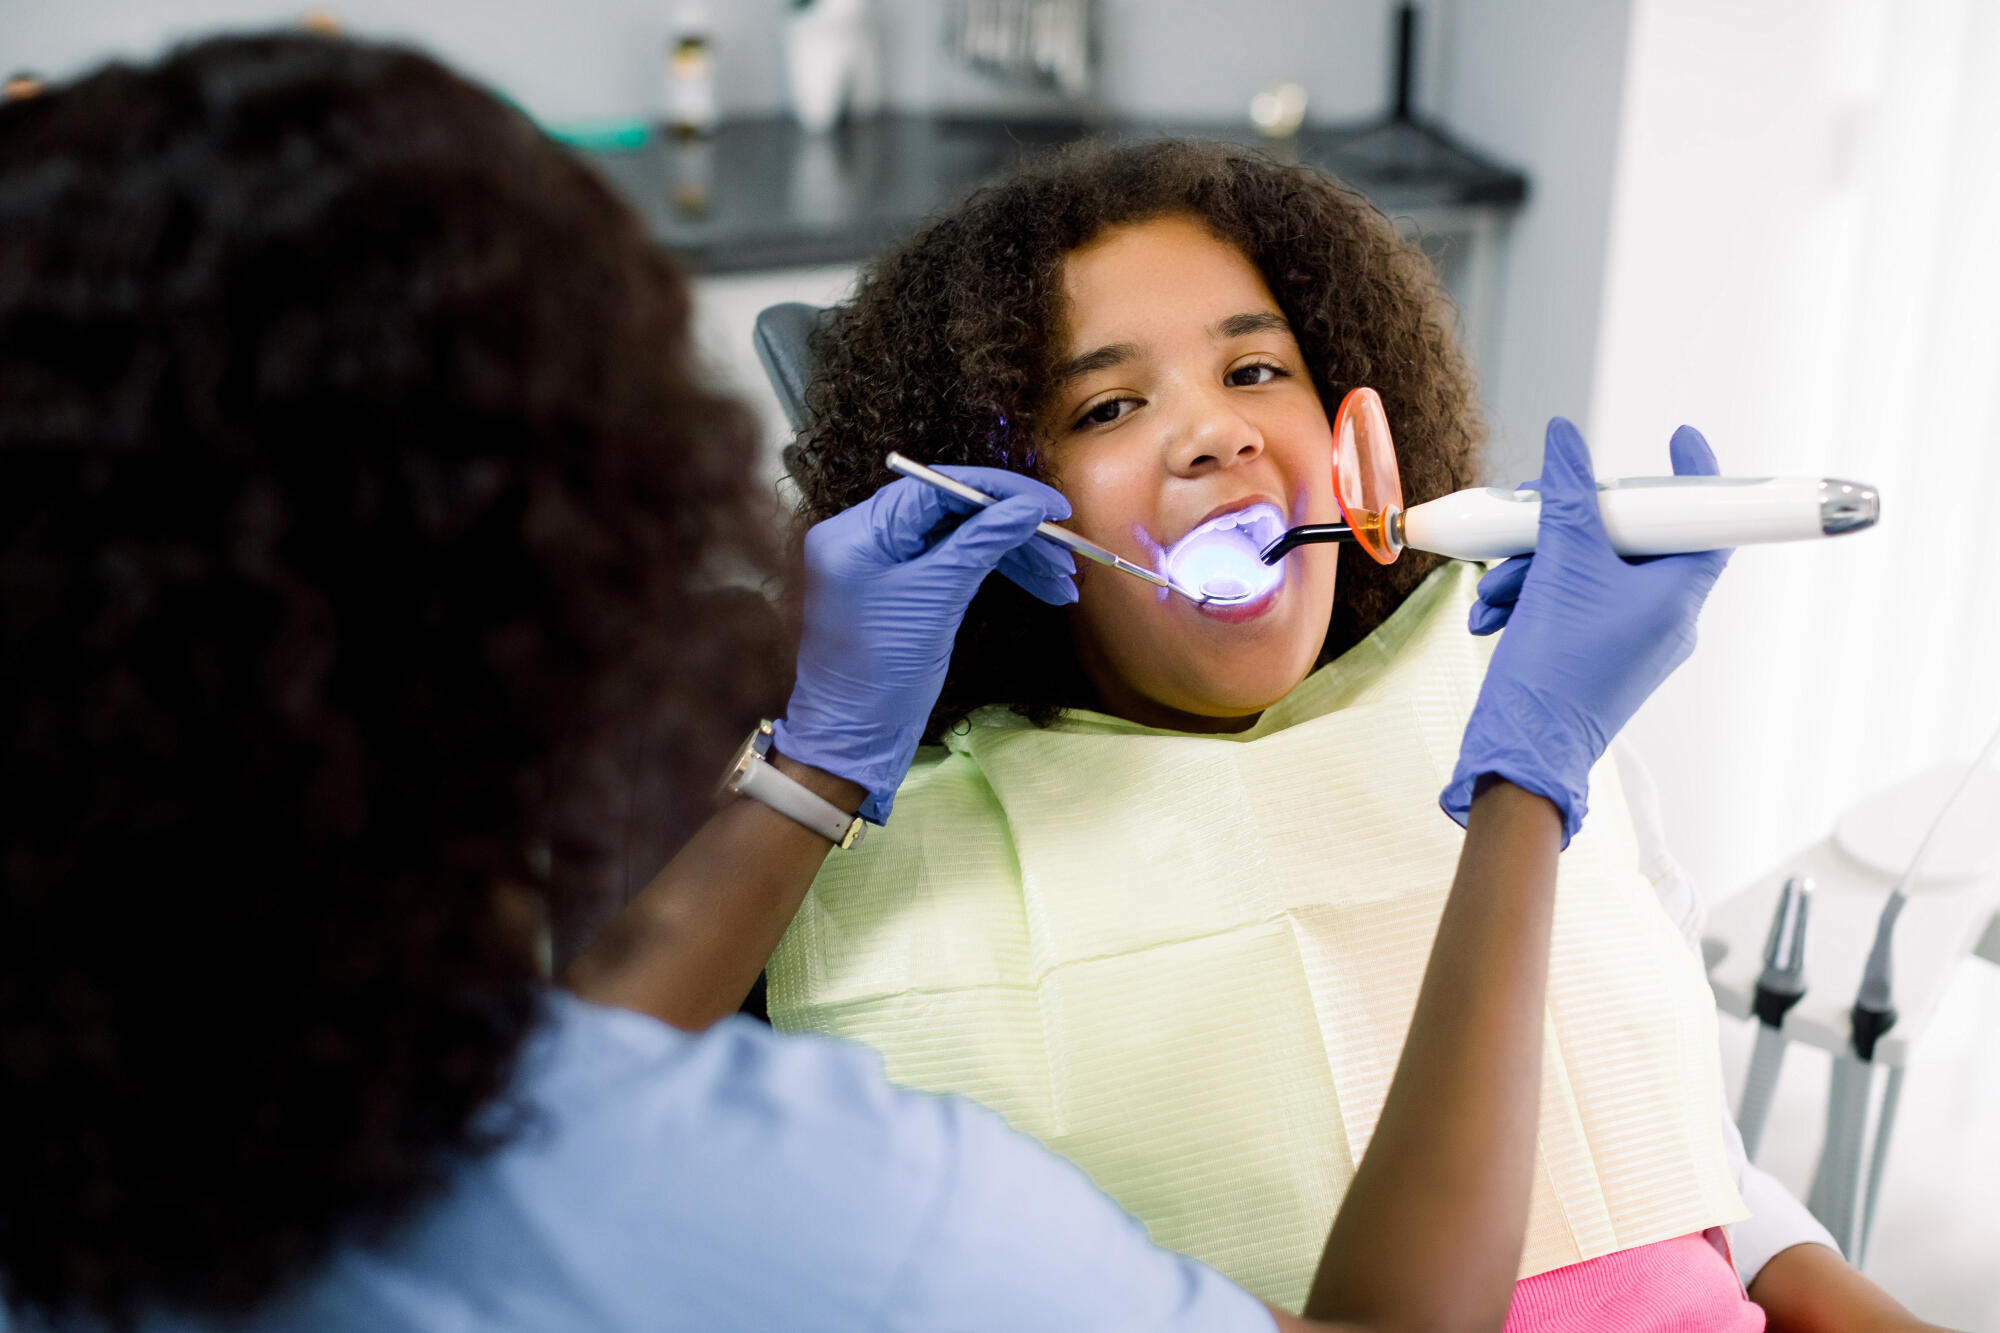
pixel 737 1179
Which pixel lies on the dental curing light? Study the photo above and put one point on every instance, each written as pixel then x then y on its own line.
pixel 1642 515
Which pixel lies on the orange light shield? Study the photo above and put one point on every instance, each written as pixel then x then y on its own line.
pixel 1366 483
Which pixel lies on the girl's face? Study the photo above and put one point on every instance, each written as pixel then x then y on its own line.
pixel 1184 396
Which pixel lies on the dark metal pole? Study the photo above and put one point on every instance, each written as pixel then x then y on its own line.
pixel 1406 60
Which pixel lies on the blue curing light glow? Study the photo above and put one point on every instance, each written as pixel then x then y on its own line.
pixel 1219 558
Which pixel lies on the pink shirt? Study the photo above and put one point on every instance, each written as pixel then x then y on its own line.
pixel 1674 1286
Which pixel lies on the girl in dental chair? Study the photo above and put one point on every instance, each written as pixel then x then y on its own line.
pixel 1162 887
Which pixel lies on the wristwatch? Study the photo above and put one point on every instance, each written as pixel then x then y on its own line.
pixel 749 774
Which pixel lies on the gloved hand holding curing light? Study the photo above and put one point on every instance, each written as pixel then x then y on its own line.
pixel 884 597
pixel 1590 635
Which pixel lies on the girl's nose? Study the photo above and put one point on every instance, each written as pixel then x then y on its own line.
pixel 1214 435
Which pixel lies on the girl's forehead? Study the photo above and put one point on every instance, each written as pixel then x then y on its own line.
pixel 1163 273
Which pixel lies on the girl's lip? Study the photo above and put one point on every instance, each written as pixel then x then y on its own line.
pixel 1235 613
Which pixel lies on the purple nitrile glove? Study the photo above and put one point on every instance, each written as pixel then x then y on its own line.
pixel 1590 635
pixel 884 596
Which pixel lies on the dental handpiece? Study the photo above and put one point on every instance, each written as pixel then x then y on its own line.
pixel 1783 979
pixel 1874 1011
pixel 1063 537
pixel 1780 985
pixel 1642 516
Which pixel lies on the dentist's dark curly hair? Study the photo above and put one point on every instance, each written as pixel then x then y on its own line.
pixel 360 515
pixel 945 347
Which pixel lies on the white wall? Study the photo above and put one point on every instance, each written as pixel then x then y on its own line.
pixel 1802 264
pixel 1539 83
pixel 1205 60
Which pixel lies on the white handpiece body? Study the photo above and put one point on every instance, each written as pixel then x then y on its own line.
pixel 1648 515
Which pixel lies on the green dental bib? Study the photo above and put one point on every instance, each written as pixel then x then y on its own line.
pixel 1187 963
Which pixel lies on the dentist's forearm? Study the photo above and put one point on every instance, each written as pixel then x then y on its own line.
pixel 689 947
pixel 1430 1233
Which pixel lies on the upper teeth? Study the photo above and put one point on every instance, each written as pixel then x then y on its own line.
pixel 1257 519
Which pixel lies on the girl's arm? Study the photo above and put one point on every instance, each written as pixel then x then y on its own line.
pixel 1430 1232
pixel 1811 1289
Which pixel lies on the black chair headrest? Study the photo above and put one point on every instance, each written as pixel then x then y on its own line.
pixel 780 337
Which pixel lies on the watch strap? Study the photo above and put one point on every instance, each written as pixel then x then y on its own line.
pixel 762 781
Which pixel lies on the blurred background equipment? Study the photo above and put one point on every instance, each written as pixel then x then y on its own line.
pixel 687 74
pixel 826 51
pixel 1040 42
pixel 1279 110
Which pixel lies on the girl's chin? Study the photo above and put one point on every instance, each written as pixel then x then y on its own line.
pixel 1223 695
pixel 1216 667
pixel 1208 696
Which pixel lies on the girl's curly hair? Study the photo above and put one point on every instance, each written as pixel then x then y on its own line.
pixel 944 349
pixel 357 496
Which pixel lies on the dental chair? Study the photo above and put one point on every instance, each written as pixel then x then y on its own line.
pixel 780 336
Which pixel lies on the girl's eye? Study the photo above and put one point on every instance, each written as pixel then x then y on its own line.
pixel 1257 372
pixel 1105 412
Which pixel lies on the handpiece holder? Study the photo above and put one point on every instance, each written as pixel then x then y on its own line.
pixel 1782 983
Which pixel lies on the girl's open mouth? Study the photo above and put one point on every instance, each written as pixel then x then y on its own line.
pixel 1220 558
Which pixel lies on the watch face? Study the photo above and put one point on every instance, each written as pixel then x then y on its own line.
pixel 747 754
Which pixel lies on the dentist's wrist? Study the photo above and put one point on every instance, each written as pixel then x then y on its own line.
pixel 827 786
pixel 859 750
